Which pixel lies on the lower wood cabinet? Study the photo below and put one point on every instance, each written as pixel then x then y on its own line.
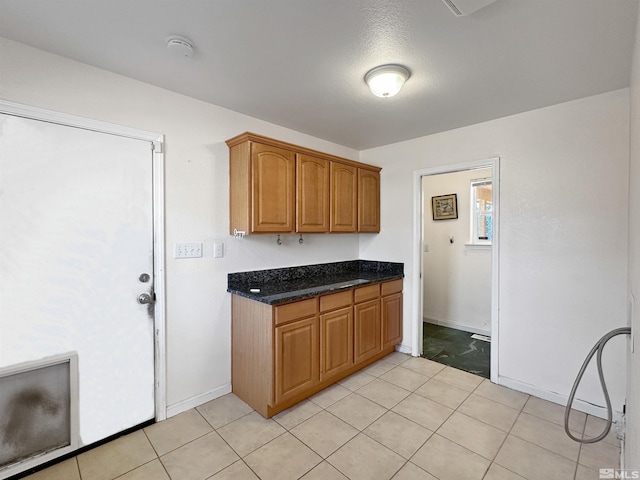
pixel 296 358
pixel 336 345
pixel 367 338
pixel 285 353
pixel 391 306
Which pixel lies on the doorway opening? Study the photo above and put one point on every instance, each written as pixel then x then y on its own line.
pixel 457 238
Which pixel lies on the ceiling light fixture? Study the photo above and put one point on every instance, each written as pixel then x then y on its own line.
pixel 386 80
pixel 180 46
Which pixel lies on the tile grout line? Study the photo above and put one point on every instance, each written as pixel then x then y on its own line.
pixel 391 384
pixel 435 432
pixel 504 441
pixel 240 457
pixel 576 462
pixel 139 466
pixel 408 460
pixel 221 437
pixel 584 431
pixel 492 460
pixel 309 446
pixel 78 467
pixel 159 457
pixel 541 446
pixel 482 421
pixel 322 458
pixel 151 443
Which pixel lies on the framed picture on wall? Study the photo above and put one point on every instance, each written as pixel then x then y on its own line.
pixel 445 207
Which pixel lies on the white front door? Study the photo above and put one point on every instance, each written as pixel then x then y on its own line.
pixel 76 240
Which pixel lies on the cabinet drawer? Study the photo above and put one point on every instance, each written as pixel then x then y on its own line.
pixel 296 310
pixel 369 292
pixel 393 286
pixel 336 300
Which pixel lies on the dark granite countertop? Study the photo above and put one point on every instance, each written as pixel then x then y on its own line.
pixel 282 285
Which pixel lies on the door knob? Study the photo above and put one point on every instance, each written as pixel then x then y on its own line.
pixel 145 299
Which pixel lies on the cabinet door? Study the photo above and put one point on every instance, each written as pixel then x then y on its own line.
pixel 368 201
pixel 344 198
pixel 273 189
pixel 391 320
pixel 312 194
pixel 296 358
pixel 336 345
pixel 367 338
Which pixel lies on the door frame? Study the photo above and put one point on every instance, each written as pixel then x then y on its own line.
pixel 417 277
pixel 157 141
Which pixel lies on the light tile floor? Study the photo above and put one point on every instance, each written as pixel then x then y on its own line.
pixel 403 418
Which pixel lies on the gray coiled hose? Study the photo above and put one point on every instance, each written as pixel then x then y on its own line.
pixel 598 347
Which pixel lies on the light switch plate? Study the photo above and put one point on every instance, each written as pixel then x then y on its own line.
pixel 188 250
pixel 218 249
pixel 630 315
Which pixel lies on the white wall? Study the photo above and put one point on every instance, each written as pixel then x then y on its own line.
pixel 456 278
pixel 198 306
pixel 563 258
pixel 632 442
pixel 563 234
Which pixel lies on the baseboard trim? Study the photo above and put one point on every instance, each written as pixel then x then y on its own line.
pixel 457 326
pixel 193 402
pixel 404 349
pixel 580 405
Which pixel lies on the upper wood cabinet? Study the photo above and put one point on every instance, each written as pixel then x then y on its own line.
pixel 261 188
pixel 344 198
pixel 277 187
pixel 368 201
pixel 312 194
pixel 272 191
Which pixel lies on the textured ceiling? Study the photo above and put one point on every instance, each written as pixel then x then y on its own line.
pixel 301 63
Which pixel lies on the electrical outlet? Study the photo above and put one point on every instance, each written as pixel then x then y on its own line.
pixel 188 250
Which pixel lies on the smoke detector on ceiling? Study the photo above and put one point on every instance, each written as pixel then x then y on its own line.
pixel 180 46
pixel 460 8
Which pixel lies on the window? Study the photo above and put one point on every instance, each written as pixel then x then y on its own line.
pixel 482 211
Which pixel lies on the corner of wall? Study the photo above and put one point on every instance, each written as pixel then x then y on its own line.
pixel 631 453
